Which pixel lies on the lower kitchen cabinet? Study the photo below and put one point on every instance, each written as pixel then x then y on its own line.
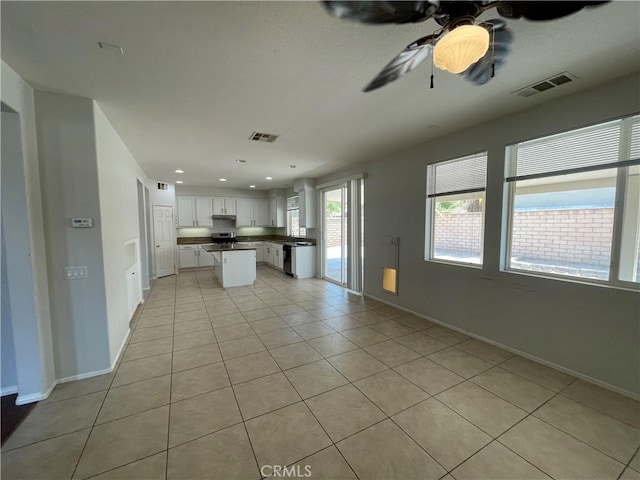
pixel 303 262
pixel 192 256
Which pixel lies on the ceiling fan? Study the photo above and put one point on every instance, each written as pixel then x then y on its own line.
pixel 474 50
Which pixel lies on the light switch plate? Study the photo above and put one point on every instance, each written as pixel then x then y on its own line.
pixel 75 273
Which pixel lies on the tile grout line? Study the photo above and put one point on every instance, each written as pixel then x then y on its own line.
pixel 173 340
pixel 115 372
pixel 244 425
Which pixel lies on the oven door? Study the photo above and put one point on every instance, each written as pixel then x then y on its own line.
pixel 287 263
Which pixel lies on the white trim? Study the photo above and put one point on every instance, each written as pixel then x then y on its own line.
pixel 121 349
pixel 8 390
pixel 340 181
pixel 528 356
pixel 35 397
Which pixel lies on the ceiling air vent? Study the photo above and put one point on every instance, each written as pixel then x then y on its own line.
pixel 546 84
pixel 163 186
pixel 263 137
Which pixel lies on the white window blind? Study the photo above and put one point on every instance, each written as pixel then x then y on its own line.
pixel 608 145
pixel 462 175
pixel 292 203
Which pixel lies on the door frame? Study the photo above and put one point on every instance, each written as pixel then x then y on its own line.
pixel 173 245
pixel 353 262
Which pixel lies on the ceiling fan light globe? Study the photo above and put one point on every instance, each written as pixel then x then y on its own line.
pixel 460 48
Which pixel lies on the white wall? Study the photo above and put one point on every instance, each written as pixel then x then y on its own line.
pixel 590 330
pixel 70 188
pixel 36 373
pixel 118 175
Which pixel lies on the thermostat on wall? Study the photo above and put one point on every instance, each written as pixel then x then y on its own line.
pixel 82 222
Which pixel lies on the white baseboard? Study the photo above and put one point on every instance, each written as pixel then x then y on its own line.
pixel 120 350
pixel 528 356
pixel 36 397
pixel 8 390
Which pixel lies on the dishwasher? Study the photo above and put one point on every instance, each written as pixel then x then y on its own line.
pixel 287 261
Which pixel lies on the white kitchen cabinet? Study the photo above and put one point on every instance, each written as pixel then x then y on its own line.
pixel 303 262
pixel 194 211
pixel 268 253
pixel 235 268
pixel 192 256
pixel 307 205
pixel 188 256
pixel 251 212
pixel 259 246
pixel 274 255
pixel 203 212
pixel 277 207
pixel 205 259
pixel 279 257
pixel 224 206
pixel 186 211
pixel 259 252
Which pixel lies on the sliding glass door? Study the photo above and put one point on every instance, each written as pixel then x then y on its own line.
pixel 335 234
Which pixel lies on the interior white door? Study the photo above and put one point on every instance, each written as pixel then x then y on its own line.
pixel 163 229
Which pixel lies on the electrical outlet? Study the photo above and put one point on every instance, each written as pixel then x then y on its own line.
pixel 75 273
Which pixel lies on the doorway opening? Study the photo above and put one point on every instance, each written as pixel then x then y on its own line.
pixel 342 233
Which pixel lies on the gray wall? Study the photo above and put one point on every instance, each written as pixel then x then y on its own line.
pixel 32 335
pixel 69 178
pixel 588 329
pixel 8 373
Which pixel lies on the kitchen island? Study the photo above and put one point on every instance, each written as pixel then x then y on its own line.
pixel 233 265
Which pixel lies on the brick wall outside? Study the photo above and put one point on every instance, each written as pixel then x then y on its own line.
pixel 333 231
pixel 578 236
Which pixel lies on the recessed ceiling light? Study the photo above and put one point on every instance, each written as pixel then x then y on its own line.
pixel 179 171
pixel 179 181
pixel 241 161
pixel 252 186
pixel 291 166
pixel 223 179
pixel 268 178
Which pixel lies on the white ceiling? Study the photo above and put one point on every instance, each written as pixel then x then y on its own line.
pixel 197 78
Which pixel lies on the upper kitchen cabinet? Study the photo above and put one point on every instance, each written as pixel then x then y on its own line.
pixel 194 211
pixel 277 207
pixel 307 205
pixel 186 211
pixel 203 212
pixel 305 188
pixel 252 212
pixel 224 206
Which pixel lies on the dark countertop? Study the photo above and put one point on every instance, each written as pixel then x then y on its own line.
pixel 263 238
pixel 231 248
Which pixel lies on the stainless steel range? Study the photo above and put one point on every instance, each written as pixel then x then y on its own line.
pixel 224 239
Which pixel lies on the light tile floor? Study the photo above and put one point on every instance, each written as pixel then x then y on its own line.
pixel 232 384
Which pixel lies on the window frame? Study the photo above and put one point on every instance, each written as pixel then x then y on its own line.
pixel 289 222
pixel 430 211
pixel 622 176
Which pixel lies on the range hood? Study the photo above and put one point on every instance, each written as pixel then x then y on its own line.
pixel 223 217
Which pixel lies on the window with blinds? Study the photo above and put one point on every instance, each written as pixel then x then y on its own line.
pixel 455 209
pixel 574 203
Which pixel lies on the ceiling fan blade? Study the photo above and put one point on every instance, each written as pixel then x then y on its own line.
pixel 408 59
pixel 382 11
pixel 500 41
pixel 543 10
